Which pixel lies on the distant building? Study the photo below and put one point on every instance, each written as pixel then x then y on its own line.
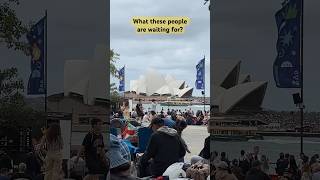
pixel 85 93
pixel 81 113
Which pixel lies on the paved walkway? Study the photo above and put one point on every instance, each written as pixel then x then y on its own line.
pixel 194 137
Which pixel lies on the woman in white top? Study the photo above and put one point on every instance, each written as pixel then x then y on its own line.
pixel 53 144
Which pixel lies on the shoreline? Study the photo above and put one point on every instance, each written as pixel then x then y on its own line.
pixel 288 134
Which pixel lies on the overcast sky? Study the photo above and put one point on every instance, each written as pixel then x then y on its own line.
pixel 243 29
pixel 168 54
pixel 246 30
pixel 75 27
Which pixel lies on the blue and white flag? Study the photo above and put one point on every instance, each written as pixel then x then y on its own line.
pixel 286 68
pixel 36 39
pixel 200 74
pixel 121 78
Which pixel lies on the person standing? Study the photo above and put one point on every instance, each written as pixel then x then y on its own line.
pixel 139 109
pixel 53 143
pixel 125 109
pixel 293 168
pixel 281 165
pixel 93 148
pixel 153 105
pixel 256 153
pixel 256 173
pixel 265 164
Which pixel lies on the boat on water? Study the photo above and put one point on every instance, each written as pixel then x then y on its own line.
pixel 234 129
pixel 175 103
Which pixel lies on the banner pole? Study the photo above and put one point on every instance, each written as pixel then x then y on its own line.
pixel 301 76
pixel 204 86
pixel 46 67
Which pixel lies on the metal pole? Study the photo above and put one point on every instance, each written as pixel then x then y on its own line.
pixel 204 85
pixel 46 68
pixel 301 71
pixel 204 103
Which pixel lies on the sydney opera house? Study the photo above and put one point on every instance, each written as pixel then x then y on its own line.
pixel 234 92
pixel 156 84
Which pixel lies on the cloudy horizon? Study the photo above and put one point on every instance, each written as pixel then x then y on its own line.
pixel 174 54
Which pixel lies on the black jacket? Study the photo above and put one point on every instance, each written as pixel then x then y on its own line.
pixel 255 174
pixel 205 152
pixel 165 148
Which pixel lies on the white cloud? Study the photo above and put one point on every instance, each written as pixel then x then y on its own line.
pixel 172 54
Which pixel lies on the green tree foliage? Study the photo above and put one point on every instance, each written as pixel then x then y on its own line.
pixel 114 94
pixel 11 27
pixel 13 109
pixel 113 59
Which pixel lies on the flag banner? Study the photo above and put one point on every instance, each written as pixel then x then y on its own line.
pixel 286 68
pixel 36 40
pixel 121 77
pixel 200 74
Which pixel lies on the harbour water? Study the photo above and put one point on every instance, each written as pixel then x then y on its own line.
pixel 270 146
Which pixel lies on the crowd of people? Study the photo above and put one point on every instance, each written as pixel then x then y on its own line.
pixel 43 162
pixel 146 114
pixel 165 149
pixel 255 166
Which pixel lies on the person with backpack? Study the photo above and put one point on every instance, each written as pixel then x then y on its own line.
pixel 94 152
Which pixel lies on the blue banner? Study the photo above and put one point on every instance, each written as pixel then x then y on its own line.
pixel 286 68
pixel 200 74
pixel 121 78
pixel 36 39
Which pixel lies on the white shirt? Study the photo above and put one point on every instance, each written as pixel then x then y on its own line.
pixel 153 106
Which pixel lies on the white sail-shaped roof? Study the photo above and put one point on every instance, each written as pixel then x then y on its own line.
pixel 230 88
pixel 134 85
pixel 233 95
pixel 154 83
pixel 165 90
pixel 223 68
pixel 244 78
pixel 87 77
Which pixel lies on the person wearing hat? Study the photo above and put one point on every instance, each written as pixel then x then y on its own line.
pixel 120 160
pixel 165 148
pixel 256 172
pixel 222 172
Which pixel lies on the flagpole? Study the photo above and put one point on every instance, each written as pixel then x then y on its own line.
pixel 204 86
pixel 46 69
pixel 301 76
pixel 124 82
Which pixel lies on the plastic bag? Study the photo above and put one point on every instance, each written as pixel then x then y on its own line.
pixel 175 171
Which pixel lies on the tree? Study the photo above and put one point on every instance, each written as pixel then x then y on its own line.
pixel 13 109
pixel 113 58
pixel 11 87
pixel 11 27
pixel 114 94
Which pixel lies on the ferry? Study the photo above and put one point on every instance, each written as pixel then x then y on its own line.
pixel 234 129
pixel 175 103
